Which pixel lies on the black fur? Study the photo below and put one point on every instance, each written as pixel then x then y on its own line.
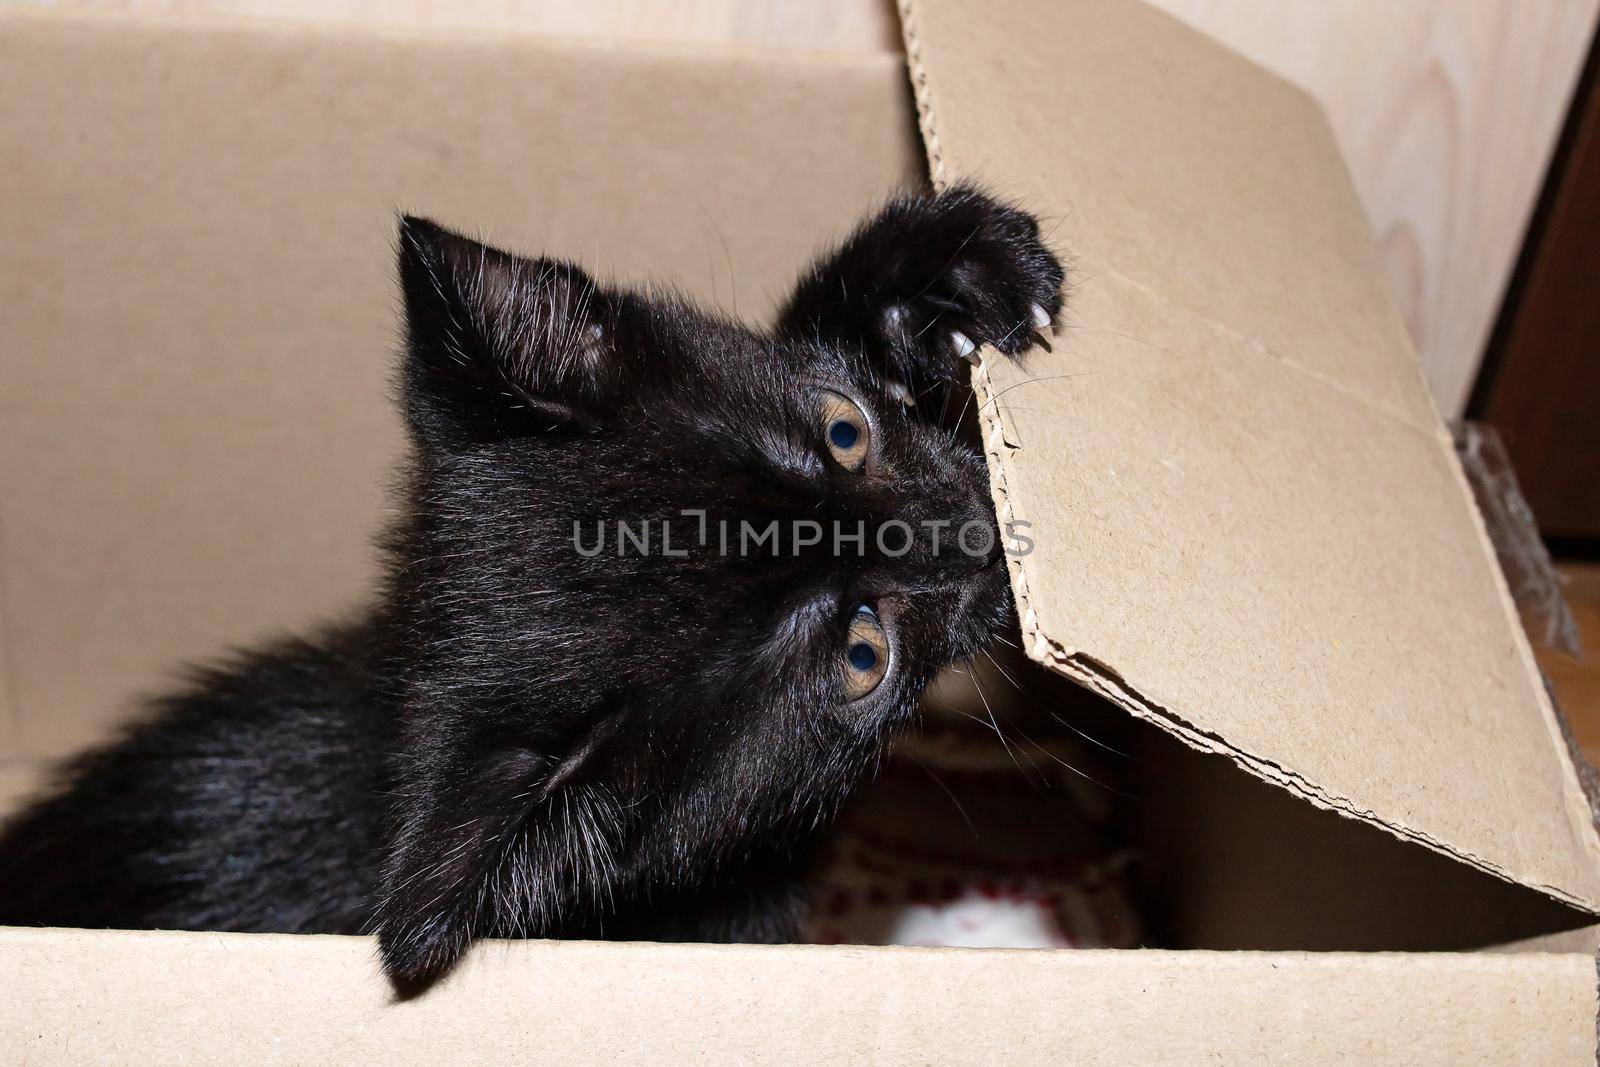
pixel 521 739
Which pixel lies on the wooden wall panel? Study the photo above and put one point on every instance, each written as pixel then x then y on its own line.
pixel 1447 111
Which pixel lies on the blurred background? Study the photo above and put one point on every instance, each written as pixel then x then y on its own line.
pixel 1471 128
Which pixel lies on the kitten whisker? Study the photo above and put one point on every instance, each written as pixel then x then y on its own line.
pixel 1091 739
pixel 733 283
pixel 996 663
pixel 1028 381
pixel 995 725
pixel 927 326
pixel 1080 773
pixel 947 792
pixel 962 414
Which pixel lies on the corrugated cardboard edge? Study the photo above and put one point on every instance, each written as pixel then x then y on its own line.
pixel 1104 679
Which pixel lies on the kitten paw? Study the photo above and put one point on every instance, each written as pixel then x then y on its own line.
pixel 985 278
pixel 925 285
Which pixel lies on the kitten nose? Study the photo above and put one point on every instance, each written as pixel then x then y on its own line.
pixel 982 560
pixel 976 545
pixel 996 554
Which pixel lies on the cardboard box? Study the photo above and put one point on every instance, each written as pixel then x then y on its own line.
pixel 1251 531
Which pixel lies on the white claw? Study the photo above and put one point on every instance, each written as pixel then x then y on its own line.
pixel 898 390
pixel 964 346
pixel 1041 317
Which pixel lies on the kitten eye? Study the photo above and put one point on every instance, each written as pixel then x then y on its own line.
pixel 845 427
pixel 866 654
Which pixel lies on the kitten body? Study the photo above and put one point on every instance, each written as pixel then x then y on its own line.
pixel 650 615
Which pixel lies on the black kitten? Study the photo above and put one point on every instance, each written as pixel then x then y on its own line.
pixel 664 589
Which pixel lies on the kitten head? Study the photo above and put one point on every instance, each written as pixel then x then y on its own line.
pixel 665 589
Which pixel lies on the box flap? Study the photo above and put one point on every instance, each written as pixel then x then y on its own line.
pixel 1250 527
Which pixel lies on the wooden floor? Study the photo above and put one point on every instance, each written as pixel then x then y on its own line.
pixel 1577 681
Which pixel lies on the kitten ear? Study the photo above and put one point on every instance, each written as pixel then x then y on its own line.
pixel 443 847
pixel 499 345
pixel 473 851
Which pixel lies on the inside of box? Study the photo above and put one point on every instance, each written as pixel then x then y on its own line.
pixel 1240 864
pixel 228 200
pixel 1220 859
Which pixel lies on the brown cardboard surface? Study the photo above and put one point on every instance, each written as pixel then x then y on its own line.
pixel 152 998
pixel 198 309
pixel 1250 526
